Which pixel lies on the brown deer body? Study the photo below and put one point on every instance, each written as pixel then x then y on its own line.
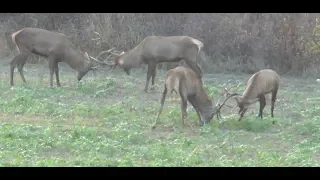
pixel 156 49
pixel 185 82
pixel 54 46
pixel 261 83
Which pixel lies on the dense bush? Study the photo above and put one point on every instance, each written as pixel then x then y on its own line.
pixel 242 42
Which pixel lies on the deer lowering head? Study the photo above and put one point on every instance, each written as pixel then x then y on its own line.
pixel 56 47
pixel 157 49
pixel 189 87
pixel 261 83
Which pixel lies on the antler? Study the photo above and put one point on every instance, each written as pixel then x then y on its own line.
pixel 227 90
pixel 106 62
pixel 99 38
pixel 228 95
pixel 111 51
pixel 223 104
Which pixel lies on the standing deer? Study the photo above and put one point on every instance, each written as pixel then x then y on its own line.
pixel 261 83
pixel 156 49
pixel 56 47
pixel 188 85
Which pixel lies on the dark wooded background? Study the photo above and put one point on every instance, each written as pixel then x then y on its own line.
pixel 239 42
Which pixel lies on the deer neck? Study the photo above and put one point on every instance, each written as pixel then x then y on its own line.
pixel 131 58
pixel 76 60
pixel 204 103
pixel 249 93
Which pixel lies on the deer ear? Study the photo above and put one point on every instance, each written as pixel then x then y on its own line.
pixel 121 53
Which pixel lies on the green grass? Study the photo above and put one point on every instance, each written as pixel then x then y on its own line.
pixel 105 121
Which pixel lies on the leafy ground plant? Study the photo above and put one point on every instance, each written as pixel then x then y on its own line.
pixel 105 120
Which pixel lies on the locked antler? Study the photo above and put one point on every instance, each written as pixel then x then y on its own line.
pixel 228 95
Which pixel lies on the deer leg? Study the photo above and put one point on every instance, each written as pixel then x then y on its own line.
pixel 20 63
pixel 263 103
pixel 153 76
pixel 51 69
pixel 273 100
pixel 56 71
pixel 161 107
pixel 242 113
pixel 151 67
pixel 184 103
pixel 13 65
pixel 192 102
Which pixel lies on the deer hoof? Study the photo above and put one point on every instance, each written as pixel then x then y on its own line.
pixel 153 127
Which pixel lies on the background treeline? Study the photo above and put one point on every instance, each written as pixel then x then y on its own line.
pixel 238 42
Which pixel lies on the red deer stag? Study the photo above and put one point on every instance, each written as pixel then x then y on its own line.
pixel 56 47
pixel 188 85
pixel 261 83
pixel 156 49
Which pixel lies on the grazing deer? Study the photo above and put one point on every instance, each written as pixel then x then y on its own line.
pixel 261 83
pixel 185 82
pixel 156 49
pixel 56 47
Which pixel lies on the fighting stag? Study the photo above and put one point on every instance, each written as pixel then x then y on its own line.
pixel 187 84
pixel 157 49
pixel 261 83
pixel 56 47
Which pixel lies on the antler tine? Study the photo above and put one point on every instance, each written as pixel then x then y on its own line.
pixel 237 86
pixel 97 33
pixel 117 51
pixel 98 37
pixel 219 99
pixel 101 62
pixel 107 51
pixel 234 94
pixel 233 108
pixel 108 57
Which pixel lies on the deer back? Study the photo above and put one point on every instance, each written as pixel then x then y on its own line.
pixel 50 44
pixel 168 48
pixel 261 82
pixel 184 80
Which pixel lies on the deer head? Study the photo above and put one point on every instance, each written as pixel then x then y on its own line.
pixel 119 62
pixel 242 102
pixel 83 71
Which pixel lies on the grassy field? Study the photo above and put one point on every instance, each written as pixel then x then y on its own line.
pixel 105 121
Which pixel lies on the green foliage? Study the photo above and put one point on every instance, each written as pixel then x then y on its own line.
pixel 106 122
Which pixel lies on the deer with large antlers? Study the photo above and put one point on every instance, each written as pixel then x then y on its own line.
pixel 156 49
pixel 56 47
pixel 261 83
pixel 186 83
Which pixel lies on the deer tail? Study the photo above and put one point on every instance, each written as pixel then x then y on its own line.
pixel 13 36
pixel 198 43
